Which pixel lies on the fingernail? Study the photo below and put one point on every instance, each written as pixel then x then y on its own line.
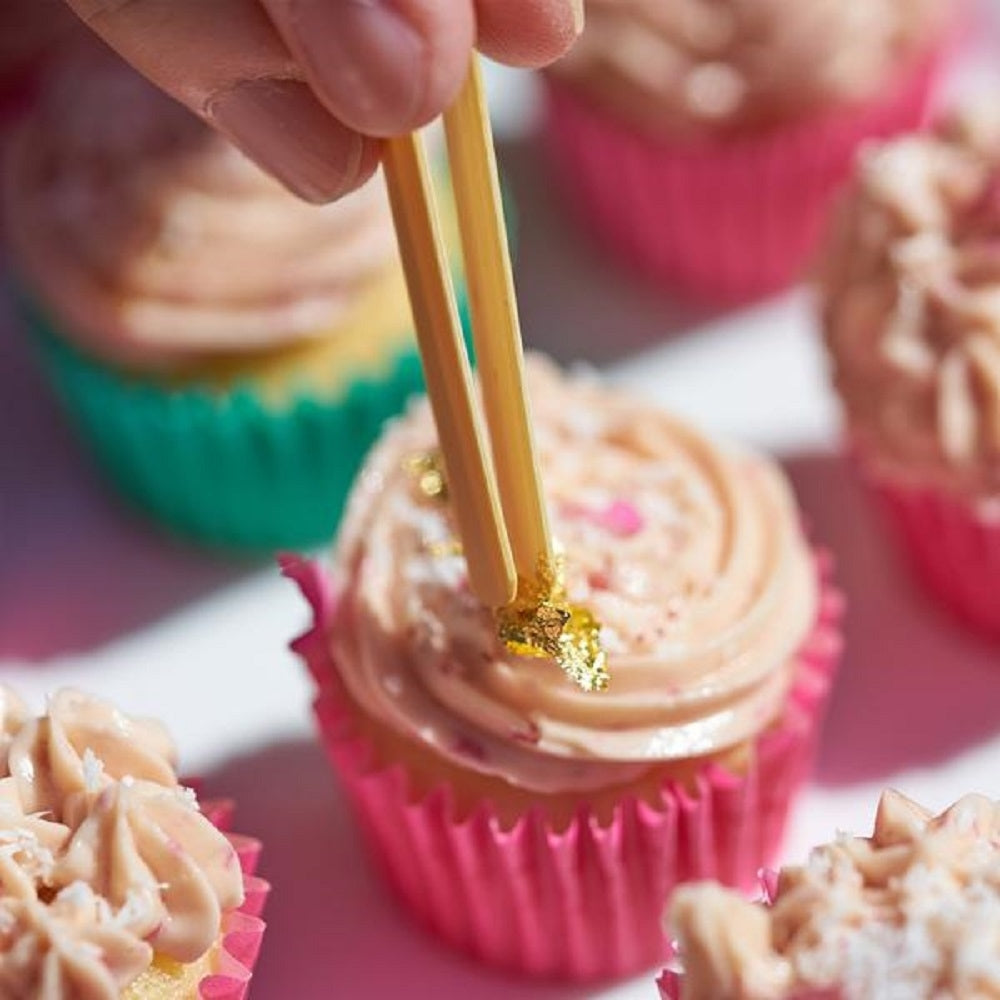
pixel 368 61
pixel 579 15
pixel 282 126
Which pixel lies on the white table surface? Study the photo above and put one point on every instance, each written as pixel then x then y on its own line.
pixel 93 596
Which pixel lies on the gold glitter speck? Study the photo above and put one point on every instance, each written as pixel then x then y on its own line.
pixel 445 549
pixel 427 468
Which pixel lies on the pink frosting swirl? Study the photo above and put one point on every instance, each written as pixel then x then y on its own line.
pixel 705 65
pixel 29 845
pixel 13 715
pixel 69 948
pixel 917 905
pixel 910 292
pixel 155 243
pixel 105 860
pixel 47 757
pixel 156 860
pixel 690 557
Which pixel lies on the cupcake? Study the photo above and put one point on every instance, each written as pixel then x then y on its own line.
pixel 114 881
pixel 702 141
pixel 911 912
pixel 228 352
pixel 910 300
pixel 523 820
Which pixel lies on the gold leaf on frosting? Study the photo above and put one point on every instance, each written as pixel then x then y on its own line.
pixel 530 629
pixel 540 622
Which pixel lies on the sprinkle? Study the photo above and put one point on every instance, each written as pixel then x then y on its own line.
pixel 441 550
pixel 93 770
pixel 135 911
pixel 619 518
pixel 188 796
pixel 468 747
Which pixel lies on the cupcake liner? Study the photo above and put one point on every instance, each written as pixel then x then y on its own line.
pixel 952 543
pixel 226 469
pixel 242 929
pixel 584 903
pixel 721 219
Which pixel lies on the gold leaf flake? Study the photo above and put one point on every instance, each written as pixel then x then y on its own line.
pixel 427 468
pixel 540 622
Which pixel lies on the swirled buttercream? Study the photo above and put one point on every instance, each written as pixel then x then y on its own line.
pixel 28 845
pixel 163 867
pixel 910 291
pixel 695 66
pixel 81 743
pixel 916 907
pixel 13 714
pixel 106 862
pixel 71 947
pixel 690 557
pixel 155 243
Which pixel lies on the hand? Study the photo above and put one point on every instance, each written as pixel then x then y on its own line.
pixel 305 87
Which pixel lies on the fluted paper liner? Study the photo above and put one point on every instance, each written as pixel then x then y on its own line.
pixel 242 929
pixel 720 219
pixel 952 543
pixel 227 469
pixel 584 903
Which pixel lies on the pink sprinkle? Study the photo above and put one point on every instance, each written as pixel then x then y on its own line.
pixel 620 518
pixel 530 734
pixel 468 747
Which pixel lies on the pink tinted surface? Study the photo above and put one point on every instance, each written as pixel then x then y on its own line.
pixel 90 595
pixel 77 567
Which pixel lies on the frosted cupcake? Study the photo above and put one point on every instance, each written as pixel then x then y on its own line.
pixel 532 824
pixel 911 912
pixel 910 296
pixel 702 141
pixel 114 883
pixel 228 352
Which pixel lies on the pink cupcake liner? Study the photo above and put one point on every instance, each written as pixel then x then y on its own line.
pixel 724 220
pixel 586 902
pixel 954 546
pixel 242 929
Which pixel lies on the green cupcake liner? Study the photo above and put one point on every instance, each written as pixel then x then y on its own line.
pixel 225 468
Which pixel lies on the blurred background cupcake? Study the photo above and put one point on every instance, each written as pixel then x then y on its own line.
pixel 701 141
pixel 913 911
pixel 910 299
pixel 533 824
pixel 227 351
